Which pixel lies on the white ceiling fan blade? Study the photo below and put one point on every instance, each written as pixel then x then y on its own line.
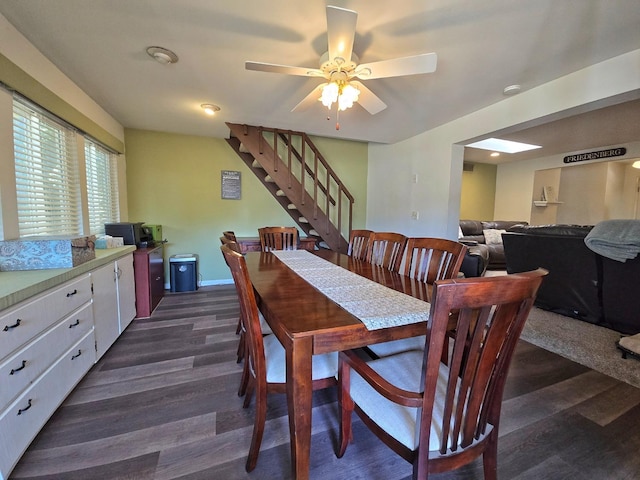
pixel 288 70
pixel 341 30
pixel 398 67
pixel 368 100
pixel 310 100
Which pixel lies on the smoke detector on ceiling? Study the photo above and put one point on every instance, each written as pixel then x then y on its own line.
pixel 512 89
pixel 162 55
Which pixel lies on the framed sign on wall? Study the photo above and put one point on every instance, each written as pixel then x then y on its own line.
pixel 231 184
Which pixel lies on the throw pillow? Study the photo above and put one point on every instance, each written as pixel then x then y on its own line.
pixel 493 236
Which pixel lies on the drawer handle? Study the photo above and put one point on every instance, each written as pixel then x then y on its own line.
pixel 71 294
pixel 25 408
pixel 9 327
pixel 73 357
pixel 14 370
pixel 75 324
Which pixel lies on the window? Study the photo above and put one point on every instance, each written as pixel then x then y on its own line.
pixel 51 161
pixel 102 186
pixel 46 163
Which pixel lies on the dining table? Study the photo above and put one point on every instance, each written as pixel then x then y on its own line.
pixel 308 322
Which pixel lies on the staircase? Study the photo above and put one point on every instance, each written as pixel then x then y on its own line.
pixel 290 166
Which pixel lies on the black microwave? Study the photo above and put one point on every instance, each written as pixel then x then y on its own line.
pixel 132 233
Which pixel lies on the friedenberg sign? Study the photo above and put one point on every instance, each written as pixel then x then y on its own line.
pixel 581 157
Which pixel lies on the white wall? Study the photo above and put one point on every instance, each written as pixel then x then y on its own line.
pixel 437 160
pixel 515 183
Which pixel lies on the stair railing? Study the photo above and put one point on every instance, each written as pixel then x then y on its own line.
pixel 303 160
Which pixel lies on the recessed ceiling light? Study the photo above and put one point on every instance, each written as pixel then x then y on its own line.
pixel 495 154
pixel 162 55
pixel 636 164
pixel 511 89
pixel 209 108
pixel 504 146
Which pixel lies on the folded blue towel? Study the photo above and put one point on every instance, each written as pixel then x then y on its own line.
pixel 615 239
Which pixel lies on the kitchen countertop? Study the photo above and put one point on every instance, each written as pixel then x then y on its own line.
pixel 17 286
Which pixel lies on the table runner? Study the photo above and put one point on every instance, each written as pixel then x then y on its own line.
pixel 376 305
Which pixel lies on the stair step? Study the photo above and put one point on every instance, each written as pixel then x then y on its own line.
pixel 313 233
pixel 243 149
pixel 291 206
pixel 269 179
pixel 280 193
pixel 255 164
pixel 303 220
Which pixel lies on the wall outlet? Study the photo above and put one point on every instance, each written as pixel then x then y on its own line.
pixel 415 215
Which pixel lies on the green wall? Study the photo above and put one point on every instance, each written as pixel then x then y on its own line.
pixel 174 180
pixel 478 192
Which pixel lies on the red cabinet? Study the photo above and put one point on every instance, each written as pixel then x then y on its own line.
pixel 148 266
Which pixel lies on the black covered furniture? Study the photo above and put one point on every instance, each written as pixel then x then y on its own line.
pixel 475 260
pixel 581 283
pixel 474 231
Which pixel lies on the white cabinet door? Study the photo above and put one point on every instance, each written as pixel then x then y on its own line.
pixel 126 290
pixel 22 420
pixel 105 307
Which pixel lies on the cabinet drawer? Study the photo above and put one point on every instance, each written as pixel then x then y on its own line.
pixel 22 323
pixel 24 418
pixel 21 369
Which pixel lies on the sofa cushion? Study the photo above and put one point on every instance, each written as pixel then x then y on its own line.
pixel 471 227
pixel 493 236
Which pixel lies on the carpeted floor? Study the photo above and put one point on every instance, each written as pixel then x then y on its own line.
pixel 582 342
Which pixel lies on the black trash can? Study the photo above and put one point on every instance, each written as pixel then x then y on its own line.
pixel 183 270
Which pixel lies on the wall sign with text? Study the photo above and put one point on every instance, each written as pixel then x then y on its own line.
pixel 231 185
pixel 581 157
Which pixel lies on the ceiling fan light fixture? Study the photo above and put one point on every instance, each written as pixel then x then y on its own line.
pixel 341 92
pixel 636 164
pixel 162 55
pixel 348 96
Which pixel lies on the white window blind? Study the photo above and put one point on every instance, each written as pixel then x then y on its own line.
pixel 102 186
pixel 48 190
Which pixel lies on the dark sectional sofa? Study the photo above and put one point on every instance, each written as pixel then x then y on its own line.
pixel 581 283
pixel 483 255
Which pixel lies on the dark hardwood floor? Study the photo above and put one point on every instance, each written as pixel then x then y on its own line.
pixel 162 404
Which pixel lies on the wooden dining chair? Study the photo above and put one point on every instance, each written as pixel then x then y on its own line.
pixel 232 244
pixel 386 249
pixel 359 243
pixel 266 356
pixel 440 416
pixel 240 330
pixel 427 260
pixel 278 238
pixel 230 235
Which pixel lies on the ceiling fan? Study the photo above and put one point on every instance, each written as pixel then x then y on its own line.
pixel 340 68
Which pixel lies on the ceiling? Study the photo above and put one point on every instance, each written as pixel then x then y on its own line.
pixel 482 47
